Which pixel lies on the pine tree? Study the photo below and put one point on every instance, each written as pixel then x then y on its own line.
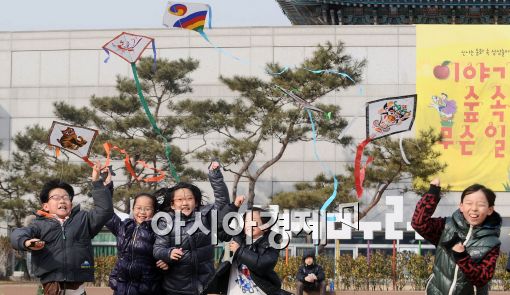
pixel 122 122
pixel 263 113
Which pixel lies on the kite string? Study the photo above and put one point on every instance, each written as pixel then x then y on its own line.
pixel 324 166
pixel 153 123
pixel 285 68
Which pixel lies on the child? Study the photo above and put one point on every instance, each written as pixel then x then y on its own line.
pixel 136 270
pixel 253 264
pixel 60 236
pixel 467 243
pixel 191 260
pixel 310 276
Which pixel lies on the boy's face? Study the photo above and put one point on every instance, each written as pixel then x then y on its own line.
pixel 309 260
pixel 143 209
pixel 252 223
pixel 59 203
pixel 184 201
pixel 475 208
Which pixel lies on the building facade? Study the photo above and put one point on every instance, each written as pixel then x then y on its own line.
pixel 40 68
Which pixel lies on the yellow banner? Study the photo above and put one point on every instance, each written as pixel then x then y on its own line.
pixel 462 81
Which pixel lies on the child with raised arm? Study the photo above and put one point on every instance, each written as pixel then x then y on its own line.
pixel 190 256
pixel 60 236
pixel 254 257
pixel 136 270
pixel 467 243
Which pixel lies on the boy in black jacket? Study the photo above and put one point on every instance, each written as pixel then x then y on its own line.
pixel 60 236
pixel 253 264
pixel 310 276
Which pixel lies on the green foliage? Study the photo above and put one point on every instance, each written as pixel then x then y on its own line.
pixel 411 271
pixel 103 266
pixel 312 196
pixel 501 279
pixel 262 113
pixel 420 268
pixel 6 252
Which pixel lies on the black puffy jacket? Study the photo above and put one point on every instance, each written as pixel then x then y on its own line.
pixel 67 255
pixel 135 271
pixel 261 259
pixel 189 274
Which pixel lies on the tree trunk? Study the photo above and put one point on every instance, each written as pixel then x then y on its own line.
pixel 251 192
pixel 234 186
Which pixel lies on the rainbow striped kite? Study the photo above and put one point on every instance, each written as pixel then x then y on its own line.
pixel 191 16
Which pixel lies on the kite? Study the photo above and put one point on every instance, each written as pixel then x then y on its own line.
pixel 193 16
pixel 127 163
pixel 130 48
pixel 390 115
pixel 298 100
pixel 384 117
pixel 190 16
pixel 75 139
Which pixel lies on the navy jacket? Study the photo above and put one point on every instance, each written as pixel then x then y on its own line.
pixel 189 274
pixel 135 271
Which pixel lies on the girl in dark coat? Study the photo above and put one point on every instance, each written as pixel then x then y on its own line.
pixel 136 271
pixel 190 253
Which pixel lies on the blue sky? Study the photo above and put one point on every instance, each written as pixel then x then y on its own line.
pixel 38 15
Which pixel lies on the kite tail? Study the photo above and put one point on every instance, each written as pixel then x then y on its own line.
pixel 153 122
pixel 325 167
pixel 223 51
pixel 86 160
pixel 358 181
pixel 154 53
pixel 209 12
pixel 335 72
pixel 107 55
pixel 402 152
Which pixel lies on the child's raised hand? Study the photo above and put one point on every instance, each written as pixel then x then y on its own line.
pixel 214 165
pixel 96 170
pixel 435 182
pixel 239 201
pixel 34 244
pixel 161 264
pixel 108 177
pixel 176 254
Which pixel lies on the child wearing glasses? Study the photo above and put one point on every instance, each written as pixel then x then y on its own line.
pixel 136 271
pixel 60 236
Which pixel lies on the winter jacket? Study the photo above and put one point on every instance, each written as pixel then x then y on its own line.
pixel 67 255
pixel 135 271
pixel 259 257
pixel 190 273
pixel 459 273
pixel 304 270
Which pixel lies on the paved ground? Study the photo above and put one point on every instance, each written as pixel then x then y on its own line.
pixel 31 289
